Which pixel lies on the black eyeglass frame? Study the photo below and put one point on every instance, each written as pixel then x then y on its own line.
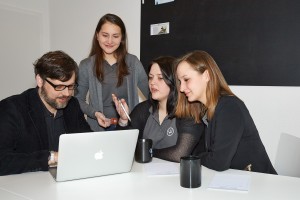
pixel 62 87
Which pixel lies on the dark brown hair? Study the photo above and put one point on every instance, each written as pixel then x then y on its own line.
pixel 56 65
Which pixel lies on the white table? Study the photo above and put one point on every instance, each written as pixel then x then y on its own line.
pixel 137 184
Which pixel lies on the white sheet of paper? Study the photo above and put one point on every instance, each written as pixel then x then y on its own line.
pixel 230 182
pixel 161 168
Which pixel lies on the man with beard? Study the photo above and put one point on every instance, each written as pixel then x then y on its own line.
pixel 31 122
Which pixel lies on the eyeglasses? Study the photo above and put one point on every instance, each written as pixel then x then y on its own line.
pixel 62 87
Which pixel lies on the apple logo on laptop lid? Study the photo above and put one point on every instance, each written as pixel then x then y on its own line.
pixel 99 155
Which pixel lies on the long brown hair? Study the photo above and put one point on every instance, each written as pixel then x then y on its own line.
pixel 217 86
pixel 120 53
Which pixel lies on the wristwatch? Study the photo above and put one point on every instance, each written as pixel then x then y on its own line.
pixel 51 158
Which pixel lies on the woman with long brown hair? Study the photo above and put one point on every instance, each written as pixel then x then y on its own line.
pixel 109 69
pixel 231 138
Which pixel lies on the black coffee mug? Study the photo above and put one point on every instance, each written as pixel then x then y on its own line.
pixel 143 151
pixel 190 172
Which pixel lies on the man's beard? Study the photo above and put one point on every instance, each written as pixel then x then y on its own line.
pixel 52 102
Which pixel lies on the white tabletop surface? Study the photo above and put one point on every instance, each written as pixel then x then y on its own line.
pixel 137 184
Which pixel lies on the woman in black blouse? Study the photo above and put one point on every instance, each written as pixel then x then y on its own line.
pixel 231 137
pixel 172 137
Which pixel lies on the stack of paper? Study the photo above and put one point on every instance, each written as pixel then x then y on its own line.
pixel 161 168
pixel 232 182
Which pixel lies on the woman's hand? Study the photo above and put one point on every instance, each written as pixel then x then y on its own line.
pixel 102 120
pixel 123 116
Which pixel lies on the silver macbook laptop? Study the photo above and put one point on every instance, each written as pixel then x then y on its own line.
pixel 84 155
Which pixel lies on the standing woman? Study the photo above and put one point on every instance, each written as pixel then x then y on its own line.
pixel 172 137
pixel 109 69
pixel 231 137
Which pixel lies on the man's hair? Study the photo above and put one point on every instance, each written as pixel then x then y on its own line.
pixel 56 65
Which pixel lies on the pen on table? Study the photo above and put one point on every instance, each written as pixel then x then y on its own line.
pixel 124 110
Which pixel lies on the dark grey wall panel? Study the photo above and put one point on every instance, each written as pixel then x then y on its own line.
pixel 254 42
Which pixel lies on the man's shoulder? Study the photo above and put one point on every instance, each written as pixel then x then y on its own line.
pixel 21 101
pixel 20 98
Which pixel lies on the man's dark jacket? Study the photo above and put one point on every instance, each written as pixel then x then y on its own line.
pixel 23 133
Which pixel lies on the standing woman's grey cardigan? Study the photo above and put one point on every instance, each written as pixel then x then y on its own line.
pixel 88 82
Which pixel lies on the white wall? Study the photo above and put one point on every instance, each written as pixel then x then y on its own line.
pixel 72 24
pixel 24 37
pixel 275 110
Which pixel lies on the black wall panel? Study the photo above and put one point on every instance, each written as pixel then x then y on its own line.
pixel 254 42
